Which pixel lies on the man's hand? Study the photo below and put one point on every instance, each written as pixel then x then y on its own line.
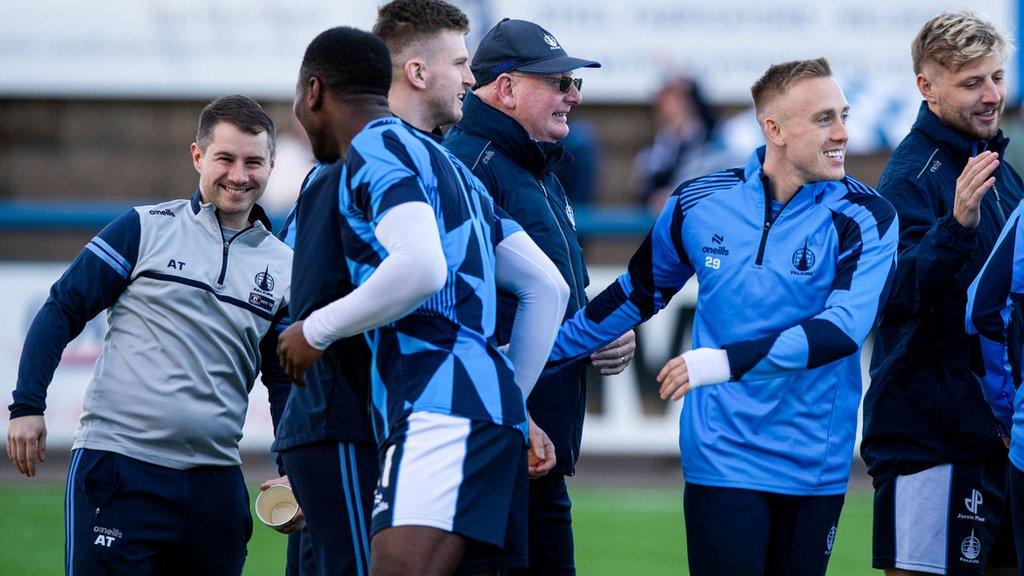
pixel 295 354
pixel 26 443
pixel 614 357
pixel 296 522
pixel 541 454
pixel 972 185
pixel 674 379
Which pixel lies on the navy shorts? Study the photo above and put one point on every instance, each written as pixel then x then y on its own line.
pixel 945 520
pixel 461 476
pixel 126 516
pixel 550 528
pixel 300 555
pixel 1016 499
pixel 737 531
pixel 333 483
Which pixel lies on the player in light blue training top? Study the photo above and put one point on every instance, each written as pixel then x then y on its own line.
pixel 792 257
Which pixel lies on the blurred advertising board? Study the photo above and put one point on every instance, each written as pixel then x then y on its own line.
pixel 625 421
pixel 192 49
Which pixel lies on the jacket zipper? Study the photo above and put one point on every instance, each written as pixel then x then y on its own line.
pixel 768 222
pixel 571 468
pixel 999 204
pixel 227 247
pixel 565 241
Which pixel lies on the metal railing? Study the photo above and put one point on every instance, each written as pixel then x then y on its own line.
pixel 22 215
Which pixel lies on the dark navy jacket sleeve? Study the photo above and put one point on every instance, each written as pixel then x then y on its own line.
pixel 278 384
pixel 93 282
pixel 658 269
pixel 989 300
pixel 931 251
pixel 865 264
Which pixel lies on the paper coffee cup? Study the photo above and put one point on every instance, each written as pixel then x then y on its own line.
pixel 276 506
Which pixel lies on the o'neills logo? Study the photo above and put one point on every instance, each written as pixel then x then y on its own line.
pixel 722 250
pixel 164 212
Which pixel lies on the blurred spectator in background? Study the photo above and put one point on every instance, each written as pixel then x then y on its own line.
pixel 579 177
pixel 1013 128
pixel 294 160
pixel 684 122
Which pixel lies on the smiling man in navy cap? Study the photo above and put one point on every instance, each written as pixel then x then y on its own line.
pixel 508 136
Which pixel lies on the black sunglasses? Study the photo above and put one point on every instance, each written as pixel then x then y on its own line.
pixel 564 83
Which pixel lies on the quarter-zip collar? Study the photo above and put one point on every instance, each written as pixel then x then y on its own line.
pixel 258 220
pixel 957 145
pixel 510 138
pixel 810 193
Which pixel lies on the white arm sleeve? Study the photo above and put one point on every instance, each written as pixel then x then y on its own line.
pixel 523 269
pixel 414 270
pixel 706 366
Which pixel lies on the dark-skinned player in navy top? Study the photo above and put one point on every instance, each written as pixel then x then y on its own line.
pixel 427 250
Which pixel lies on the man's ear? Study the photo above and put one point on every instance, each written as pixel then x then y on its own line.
pixel 197 156
pixel 926 87
pixel 774 131
pixel 506 91
pixel 315 93
pixel 416 73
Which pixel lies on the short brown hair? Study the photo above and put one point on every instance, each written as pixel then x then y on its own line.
pixel 954 39
pixel 402 22
pixel 779 77
pixel 240 111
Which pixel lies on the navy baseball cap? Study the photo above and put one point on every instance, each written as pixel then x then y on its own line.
pixel 523 46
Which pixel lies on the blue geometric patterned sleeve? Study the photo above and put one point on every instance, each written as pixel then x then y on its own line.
pixel 868 233
pixel 989 299
pixel 657 270
pixel 504 225
pixel 386 170
pixel 93 282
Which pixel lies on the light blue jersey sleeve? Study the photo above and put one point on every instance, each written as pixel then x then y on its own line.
pixel 658 269
pixel 989 300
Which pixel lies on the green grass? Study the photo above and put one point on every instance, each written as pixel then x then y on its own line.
pixel 618 531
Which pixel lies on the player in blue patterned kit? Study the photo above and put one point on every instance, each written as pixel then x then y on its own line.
pixel 791 256
pixel 427 251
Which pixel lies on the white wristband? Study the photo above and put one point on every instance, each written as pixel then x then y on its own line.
pixel 707 366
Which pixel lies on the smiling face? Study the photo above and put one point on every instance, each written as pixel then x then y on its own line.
pixel 447 77
pixel 540 107
pixel 233 171
pixel 969 100
pixel 811 130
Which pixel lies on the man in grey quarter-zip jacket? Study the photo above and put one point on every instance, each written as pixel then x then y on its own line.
pixel 508 137
pixel 931 443
pixel 191 288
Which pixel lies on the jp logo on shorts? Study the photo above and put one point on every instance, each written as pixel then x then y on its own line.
pixel 974 502
pixel 970 548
